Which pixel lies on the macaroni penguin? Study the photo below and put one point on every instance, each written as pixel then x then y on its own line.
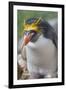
pixel 39 48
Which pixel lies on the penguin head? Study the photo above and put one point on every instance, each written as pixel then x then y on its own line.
pixel 31 29
pixel 34 27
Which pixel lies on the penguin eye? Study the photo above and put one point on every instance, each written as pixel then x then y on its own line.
pixel 30 31
pixel 25 32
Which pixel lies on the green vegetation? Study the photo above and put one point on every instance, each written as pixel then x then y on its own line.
pixel 25 14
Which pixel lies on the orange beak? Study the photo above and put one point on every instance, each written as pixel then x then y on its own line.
pixel 26 40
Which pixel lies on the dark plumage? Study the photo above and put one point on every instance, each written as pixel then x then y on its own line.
pixel 48 31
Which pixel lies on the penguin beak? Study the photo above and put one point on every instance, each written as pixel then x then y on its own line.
pixel 26 39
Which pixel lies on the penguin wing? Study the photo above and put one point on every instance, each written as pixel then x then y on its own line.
pixel 52 35
pixel 49 32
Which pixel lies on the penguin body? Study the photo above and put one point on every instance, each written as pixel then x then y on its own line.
pixel 41 51
pixel 41 57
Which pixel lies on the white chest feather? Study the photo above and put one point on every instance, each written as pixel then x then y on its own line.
pixel 41 56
